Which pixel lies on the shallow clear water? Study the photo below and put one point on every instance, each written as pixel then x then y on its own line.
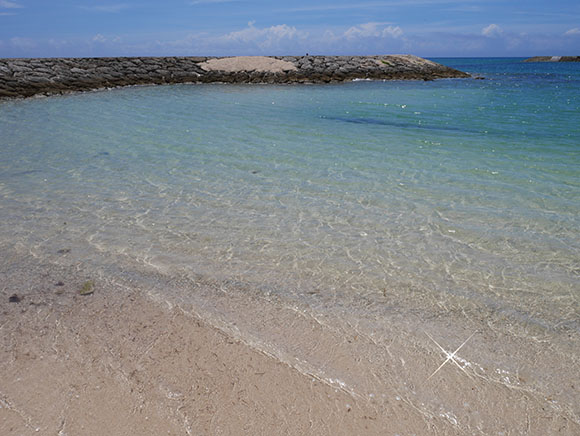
pixel 366 197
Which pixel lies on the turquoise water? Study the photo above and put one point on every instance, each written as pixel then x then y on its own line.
pixel 463 187
pixel 366 198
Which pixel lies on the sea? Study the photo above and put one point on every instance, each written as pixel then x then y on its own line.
pixel 360 232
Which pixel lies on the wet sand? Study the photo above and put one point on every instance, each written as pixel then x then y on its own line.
pixel 116 362
pixel 121 361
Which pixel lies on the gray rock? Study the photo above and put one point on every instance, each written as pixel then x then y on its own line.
pixel 27 77
pixel 554 59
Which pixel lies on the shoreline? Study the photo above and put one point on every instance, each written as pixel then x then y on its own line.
pixel 118 361
pixel 53 76
pixel 140 352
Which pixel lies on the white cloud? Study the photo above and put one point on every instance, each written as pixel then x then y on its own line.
pixel 572 32
pixel 491 31
pixel 99 38
pixel 393 31
pixel 264 37
pixel 329 35
pixel 278 39
pixel 57 43
pixel 22 43
pixel 9 5
pixel 252 33
pixel 374 30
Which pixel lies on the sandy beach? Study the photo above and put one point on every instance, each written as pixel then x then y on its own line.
pixel 120 362
pixel 116 362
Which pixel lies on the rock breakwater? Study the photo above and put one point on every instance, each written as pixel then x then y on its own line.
pixel 47 76
pixel 554 59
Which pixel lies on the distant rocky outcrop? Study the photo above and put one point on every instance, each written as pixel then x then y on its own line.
pixel 554 59
pixel 28 77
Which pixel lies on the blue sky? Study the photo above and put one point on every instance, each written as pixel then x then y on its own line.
pixel 431 28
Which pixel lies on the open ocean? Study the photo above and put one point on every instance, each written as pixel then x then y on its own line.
pixel 449 207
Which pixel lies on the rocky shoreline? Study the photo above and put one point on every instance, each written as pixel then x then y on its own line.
pixel 49 76
pixel 554 59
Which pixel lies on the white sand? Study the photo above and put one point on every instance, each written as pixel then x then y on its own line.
pixel 248 63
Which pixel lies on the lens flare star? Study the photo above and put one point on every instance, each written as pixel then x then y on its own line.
pixel 450 356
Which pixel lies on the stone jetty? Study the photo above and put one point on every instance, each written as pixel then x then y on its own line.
pixel 47 76
pixel 554 59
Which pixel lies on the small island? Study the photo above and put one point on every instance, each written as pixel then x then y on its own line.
pixel 48 76
pixel 553 59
